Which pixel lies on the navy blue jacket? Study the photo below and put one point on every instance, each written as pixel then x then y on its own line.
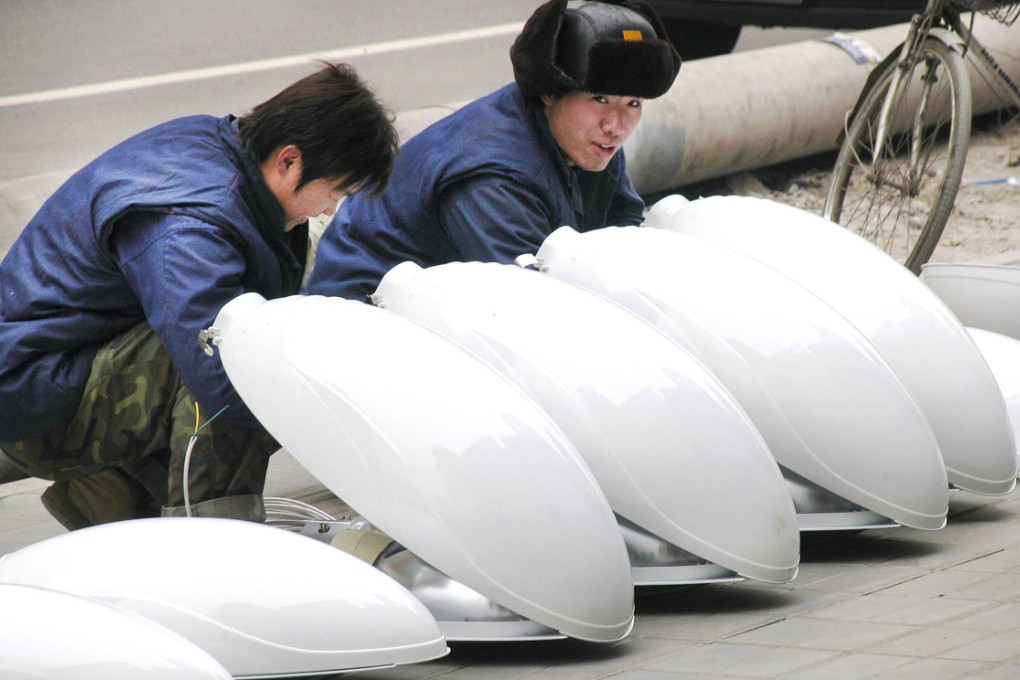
pixel 487 183
pixel 166 227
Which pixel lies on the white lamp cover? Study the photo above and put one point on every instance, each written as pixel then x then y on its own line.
pixel 671 448
pixel 985 296
pixel 48 634
pixel 1002 353
pixel 263 602
pixel 912 329
pixel 438 451
pixel 827 404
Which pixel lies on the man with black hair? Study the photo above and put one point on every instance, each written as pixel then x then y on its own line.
pixel 492 180
pixel 103 296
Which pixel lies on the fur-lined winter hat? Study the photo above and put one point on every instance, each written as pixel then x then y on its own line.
pixel 614 47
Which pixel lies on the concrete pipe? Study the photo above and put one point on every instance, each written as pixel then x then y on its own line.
pixel 753 109
pixel 757 108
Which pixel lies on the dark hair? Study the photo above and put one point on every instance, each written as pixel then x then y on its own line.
pixel 341 129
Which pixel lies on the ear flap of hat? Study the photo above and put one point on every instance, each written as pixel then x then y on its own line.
pixel 533 52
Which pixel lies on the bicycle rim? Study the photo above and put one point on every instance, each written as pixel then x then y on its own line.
pixel 900 197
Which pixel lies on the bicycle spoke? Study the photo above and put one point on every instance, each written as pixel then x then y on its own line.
pixel 897 196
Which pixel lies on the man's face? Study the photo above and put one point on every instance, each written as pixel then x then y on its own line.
pixel 590 128
pixel 318 197
pixel 282 172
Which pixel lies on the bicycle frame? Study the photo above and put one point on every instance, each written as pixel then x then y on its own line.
pixel 920 27
pixel 993 72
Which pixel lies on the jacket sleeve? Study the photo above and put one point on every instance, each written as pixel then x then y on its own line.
pixel 494 219
pixel 346 266
pixel 183 271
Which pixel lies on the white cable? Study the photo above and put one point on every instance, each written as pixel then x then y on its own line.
pixel 292 514
pixel 186 475
pixel 278 510
pixel 299 508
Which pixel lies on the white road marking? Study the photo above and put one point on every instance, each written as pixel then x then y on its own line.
pixel 260 65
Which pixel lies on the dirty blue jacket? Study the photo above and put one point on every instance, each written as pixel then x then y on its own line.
pixel 487 183
pixel 166 227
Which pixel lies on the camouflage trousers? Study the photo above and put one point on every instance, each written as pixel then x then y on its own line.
pixel 123 454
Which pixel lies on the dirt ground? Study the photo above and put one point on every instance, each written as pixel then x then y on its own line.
pixel 985 223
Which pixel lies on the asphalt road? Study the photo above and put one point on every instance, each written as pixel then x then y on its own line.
pixel 77 76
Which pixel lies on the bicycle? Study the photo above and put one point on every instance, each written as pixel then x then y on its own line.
pixel 904 145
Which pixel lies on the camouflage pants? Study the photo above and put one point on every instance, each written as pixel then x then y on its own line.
pixel 122 456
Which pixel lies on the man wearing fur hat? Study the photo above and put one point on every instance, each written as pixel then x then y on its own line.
pixel 492 180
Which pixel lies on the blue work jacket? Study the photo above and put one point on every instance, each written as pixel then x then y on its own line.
pixel 486 183
pixel 166 227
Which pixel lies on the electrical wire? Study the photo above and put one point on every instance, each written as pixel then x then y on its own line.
pixel 290 507
pixel 292 514
pixel 186 474
pixel 286 512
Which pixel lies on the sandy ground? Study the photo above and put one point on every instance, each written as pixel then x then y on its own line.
pixel 985 223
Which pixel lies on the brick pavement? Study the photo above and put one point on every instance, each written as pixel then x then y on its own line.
pixel 890 603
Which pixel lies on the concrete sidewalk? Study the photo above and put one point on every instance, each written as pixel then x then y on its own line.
pixel 891 603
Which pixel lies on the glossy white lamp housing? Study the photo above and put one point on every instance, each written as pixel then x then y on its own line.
pixel 263 602
pixel 1002 353
pixel 438 451
pixel 50 635
pixel 675 454
pixel 985 296
pixel 912 329
pixel 827 404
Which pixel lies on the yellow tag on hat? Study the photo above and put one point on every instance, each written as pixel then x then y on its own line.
pixel 632 35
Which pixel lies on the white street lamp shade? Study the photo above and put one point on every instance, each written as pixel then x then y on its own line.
pixel 438 451
pixel 51 635
pixel 263 602
pixel 672 449
pixel 1002 353
pixel 912 329
pixel 985 296
pixel 827 404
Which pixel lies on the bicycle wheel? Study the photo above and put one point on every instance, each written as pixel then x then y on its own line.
pixel 900 196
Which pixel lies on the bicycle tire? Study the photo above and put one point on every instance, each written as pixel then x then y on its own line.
pixel 904 213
